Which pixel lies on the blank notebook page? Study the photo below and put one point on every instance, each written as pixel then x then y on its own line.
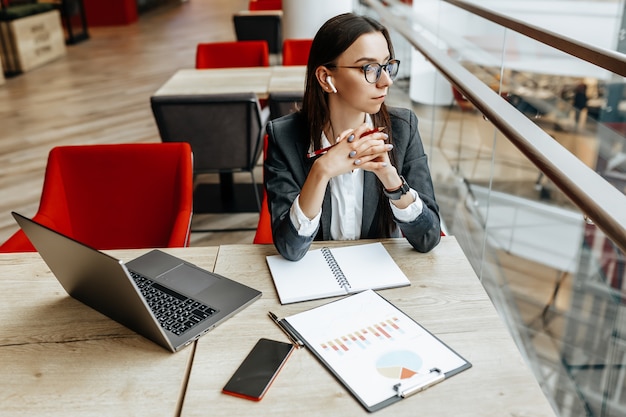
pixel 369 267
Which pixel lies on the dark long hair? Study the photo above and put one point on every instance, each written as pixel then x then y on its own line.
pixel 331 40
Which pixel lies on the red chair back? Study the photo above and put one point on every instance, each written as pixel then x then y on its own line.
pixel 296 51
pixel 265 5
pixel 263 234
pixel 232 54
pixel 462 102
pixel 118 196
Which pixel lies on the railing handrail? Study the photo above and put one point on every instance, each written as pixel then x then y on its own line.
pixel 593 195
pixel 605 58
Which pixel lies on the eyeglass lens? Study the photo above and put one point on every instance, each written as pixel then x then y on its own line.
pixel 374 71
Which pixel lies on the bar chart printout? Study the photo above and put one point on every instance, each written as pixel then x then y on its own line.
pixel 372 346
pixel 364 337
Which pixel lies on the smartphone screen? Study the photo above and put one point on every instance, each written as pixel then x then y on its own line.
pixel 257 371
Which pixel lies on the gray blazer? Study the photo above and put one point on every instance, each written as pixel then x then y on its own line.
pixel 286 169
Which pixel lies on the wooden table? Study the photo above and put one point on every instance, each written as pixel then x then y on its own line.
pixel 58 357
pixel 61 358
pixel 446 297
pixel 259 80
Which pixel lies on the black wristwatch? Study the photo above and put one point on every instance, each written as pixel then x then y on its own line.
pixel 398 192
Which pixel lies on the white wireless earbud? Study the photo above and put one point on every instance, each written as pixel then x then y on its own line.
pixel 330 82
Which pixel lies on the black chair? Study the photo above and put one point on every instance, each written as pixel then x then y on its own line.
pixel 260 25
pixel 225 133
pixel 283 103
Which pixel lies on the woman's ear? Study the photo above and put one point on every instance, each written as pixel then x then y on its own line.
pixel 324 78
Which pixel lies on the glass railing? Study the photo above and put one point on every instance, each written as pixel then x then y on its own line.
pixel 527 148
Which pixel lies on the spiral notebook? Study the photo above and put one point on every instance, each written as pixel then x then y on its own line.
pixel 334 272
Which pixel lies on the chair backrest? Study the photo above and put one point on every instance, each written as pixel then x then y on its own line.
pixel 263 235
pixel 116 196
pixel 232 54
pixel 265 5
pixel 296 51
pixel 284 102
pixel 224 130
pixel 263 25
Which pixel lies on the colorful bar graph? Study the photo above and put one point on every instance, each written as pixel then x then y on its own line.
pixel 376 332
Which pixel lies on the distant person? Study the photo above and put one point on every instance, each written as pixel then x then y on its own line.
pixel 580 100
pixel 345 166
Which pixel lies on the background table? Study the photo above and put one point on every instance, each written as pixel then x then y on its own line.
pixel 258 80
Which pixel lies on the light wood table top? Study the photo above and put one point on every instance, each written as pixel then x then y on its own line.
pixel 258 80
pixel 445 297
pixel 59 357
pixel 287 78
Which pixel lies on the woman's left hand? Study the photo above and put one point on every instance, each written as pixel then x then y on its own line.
pixel 370 151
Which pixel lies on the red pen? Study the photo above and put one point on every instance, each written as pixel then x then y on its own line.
pixel 318 152
pixel 324 150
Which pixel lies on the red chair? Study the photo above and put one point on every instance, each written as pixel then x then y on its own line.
pixel 116 196
pixel 461 101
pixel 232 54
pixel 263 235
pixel 265 5
pixel 280 104
pixel 296 51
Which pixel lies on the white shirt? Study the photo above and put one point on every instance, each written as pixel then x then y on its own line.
pixel 346 196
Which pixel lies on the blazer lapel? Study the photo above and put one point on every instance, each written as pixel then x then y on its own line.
pixel 370 188
pixel 326 215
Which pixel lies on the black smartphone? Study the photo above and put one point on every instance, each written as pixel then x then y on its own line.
pixel 258 370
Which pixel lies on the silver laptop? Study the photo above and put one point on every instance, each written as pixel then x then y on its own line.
pixel 161 297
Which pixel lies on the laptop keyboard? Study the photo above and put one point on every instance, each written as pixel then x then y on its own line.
pixel 176 312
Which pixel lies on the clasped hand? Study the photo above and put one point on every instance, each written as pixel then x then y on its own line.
pixel 358 148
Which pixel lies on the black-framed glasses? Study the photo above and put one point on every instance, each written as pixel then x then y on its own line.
pixel 374 70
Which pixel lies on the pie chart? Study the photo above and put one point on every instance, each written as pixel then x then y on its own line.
pixel 400 364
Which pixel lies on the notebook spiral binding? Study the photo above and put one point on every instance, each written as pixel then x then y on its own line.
pixel 336 270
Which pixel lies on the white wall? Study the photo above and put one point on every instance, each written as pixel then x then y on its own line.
pixel 302 19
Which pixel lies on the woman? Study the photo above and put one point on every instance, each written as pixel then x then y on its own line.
pixel 345 167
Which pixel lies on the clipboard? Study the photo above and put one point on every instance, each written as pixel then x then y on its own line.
pixel 370 346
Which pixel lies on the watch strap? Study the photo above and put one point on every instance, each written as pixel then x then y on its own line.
pixel 398 192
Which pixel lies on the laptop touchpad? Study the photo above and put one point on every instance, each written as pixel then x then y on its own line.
pixel 187 279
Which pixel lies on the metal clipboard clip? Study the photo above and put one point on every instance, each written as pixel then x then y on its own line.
pixel 434 376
